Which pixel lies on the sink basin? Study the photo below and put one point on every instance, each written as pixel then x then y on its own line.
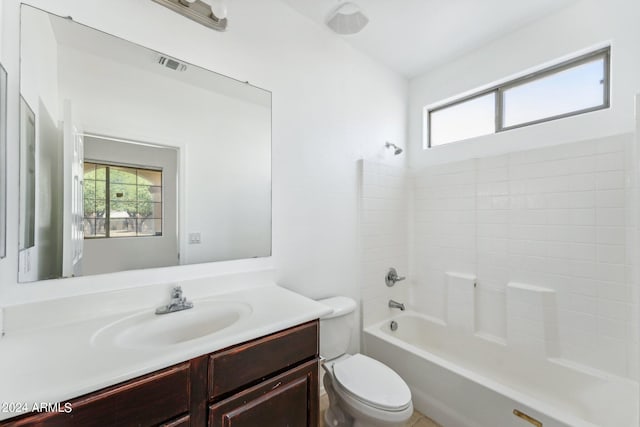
pixel 148 330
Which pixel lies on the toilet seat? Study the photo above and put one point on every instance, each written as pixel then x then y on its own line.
pixel 372 383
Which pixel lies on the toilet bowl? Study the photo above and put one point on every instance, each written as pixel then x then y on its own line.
pixel 367 392
pixel 363 392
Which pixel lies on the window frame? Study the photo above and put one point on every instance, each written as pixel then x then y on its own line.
pixel 108 166
pixel 499 89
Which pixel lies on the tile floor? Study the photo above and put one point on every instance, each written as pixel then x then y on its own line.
pixel 417 419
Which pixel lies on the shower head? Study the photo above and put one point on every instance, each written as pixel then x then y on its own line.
pixel 397 150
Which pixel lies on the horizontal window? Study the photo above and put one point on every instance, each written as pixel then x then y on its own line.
pixel 477 114
pixel 574 87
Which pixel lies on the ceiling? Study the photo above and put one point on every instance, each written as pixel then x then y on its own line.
pixel 413 36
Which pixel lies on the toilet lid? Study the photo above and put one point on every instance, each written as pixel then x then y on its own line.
pixel 372 382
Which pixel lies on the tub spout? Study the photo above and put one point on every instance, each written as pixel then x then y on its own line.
pixel 395 304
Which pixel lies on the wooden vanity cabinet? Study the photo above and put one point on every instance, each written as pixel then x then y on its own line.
pixel 270 381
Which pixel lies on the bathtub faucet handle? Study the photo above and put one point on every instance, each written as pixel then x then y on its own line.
pixel 392 277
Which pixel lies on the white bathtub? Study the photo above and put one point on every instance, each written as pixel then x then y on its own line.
pixel 467 381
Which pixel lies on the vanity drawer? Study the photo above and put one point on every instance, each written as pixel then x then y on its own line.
pixel 146 401
pixel 256 360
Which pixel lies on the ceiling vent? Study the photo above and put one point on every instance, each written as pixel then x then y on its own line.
pixel 171 63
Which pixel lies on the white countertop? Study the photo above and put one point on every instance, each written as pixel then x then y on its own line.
pixel 58 361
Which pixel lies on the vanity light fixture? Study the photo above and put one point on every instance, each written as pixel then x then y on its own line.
pixel 210 13
pixel 172 64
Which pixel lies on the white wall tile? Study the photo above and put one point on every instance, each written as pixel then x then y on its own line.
pixel 610 161
pixel 383 237
pixel 558 217
pixel 610 180
pixel 610 216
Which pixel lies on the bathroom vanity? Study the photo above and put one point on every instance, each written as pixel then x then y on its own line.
pixel 271 380
pixel 259 369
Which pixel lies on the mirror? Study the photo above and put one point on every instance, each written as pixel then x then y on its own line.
pixel 3 161
pixel 133 159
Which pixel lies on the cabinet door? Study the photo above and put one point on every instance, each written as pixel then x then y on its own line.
pixel 288 400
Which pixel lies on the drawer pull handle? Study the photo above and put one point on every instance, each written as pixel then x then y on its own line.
pixel 276 386
pixel 527 418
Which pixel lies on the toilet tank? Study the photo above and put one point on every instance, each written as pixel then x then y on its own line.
pixel 336 327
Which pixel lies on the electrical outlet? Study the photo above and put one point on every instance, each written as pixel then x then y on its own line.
pixel 194 238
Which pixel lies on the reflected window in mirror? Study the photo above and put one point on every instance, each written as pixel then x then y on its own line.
pixel 121 201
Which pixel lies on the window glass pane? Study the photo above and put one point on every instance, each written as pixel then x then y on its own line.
pixel 122 209
pixel 94 227
pixel 123 192
pixel 149 177
pixel 101 227
pixel 122 175
pixel 89 171
pixel 89 208
pixel 101 190
pixel 89 188
pixel 101 207
pixel 144 210
pixel 574 89
pixel 156 210
pixel 149 227
pixel 146 193
pixel 93 208
pixel 465 120
pixel 122 227
pixel 101 172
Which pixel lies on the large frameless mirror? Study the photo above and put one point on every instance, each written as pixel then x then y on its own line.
pixel 133 159
pixel 3 162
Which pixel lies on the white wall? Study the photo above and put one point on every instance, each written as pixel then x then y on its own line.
pixel 331 107
pixel 586 24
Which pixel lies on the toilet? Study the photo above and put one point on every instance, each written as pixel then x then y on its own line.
pixel 362 391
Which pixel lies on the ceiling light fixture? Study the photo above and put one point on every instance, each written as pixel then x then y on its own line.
pixel 211 13
pixel 347 18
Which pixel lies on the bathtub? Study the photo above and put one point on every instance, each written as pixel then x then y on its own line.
pixel 468 381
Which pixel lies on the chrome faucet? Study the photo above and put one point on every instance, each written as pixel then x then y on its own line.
pixel 392 277
pixel 177 303
pixel 395 304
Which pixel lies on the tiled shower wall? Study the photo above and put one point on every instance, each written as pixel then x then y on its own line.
pixel 560 218
pixel 383 237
